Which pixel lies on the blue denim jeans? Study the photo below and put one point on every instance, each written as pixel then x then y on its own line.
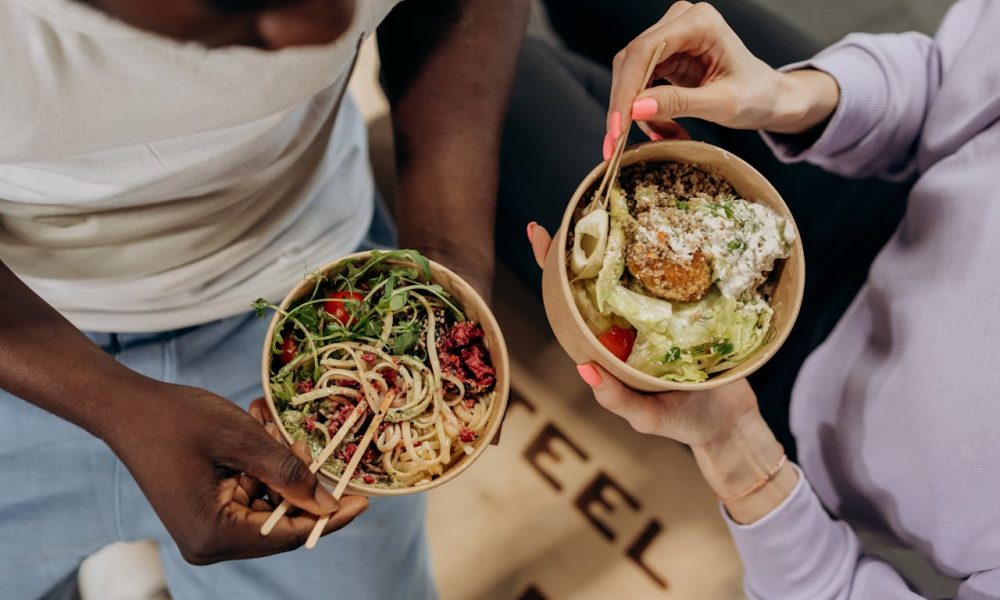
pixel 65 495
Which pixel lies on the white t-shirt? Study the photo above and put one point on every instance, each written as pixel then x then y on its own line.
pixel 148 184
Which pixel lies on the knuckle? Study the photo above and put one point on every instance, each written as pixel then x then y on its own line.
pixel 674 103
pixel 610 402
pixel 291 469
pixel 677 8
pixel 639 46
pixel 193 558
pixel 200 550
pixel 641 425
pixel 705 10
pixel 705 16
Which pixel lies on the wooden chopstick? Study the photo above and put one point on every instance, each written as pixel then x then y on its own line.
pixel 613 167
pixel 318 462
pixel 603 193
pixel 345 478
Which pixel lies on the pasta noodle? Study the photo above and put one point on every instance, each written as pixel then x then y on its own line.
pixel 374 327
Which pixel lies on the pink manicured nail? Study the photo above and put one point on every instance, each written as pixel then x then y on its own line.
pixel 589 375
pixel 616 126
pixel 531 230
pixel 655 136
pixel 645 109
pixel 609 146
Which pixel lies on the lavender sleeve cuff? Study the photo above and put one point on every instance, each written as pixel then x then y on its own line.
pixel 863 101
pixel 796 550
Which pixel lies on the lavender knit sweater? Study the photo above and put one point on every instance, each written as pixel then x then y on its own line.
pixel 897 414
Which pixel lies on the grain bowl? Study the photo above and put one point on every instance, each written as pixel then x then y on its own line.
pixel 687 276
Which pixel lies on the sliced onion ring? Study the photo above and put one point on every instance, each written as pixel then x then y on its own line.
pixel 590 238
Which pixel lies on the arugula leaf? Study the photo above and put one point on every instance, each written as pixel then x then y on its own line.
pixel 309 318
pixel 403 256
pixel 397 302
pixel 260 307
pixel 371 328
pixel 403 341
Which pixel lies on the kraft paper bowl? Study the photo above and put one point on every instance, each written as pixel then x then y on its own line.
pixel 476 309
pixel 789 275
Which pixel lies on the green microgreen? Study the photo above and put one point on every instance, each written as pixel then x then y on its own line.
pixel 389 313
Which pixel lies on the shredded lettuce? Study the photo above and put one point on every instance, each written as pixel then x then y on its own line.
pixel 640 310
pixel 699 338
pixel 614 253
pixel 583 295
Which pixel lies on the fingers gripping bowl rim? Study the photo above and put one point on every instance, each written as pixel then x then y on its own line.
pixel 567 322
pixel 475 309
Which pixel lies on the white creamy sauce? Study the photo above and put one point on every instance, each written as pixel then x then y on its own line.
pixel 680 230
pixel 741 239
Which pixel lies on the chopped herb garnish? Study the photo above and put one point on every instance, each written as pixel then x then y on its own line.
pixel 672 355
pixel 722 347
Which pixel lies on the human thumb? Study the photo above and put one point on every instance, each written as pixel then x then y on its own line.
pixel 665 102
pixel 280 469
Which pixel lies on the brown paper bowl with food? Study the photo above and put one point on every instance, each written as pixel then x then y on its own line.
pixel 475 309
pixel 789 277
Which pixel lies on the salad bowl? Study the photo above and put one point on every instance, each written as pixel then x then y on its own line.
pixel 786 282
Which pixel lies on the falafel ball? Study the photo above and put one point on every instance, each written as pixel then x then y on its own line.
pixel 657 267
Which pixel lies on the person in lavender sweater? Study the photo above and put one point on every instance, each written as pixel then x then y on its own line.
pixel 896 414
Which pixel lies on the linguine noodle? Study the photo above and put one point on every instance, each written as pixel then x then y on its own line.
pixel 393 330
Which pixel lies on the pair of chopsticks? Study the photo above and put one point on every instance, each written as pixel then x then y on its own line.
pixel 324 455
pixel 603 193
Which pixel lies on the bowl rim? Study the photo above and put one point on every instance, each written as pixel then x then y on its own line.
pixel 498 356
pixel 763 354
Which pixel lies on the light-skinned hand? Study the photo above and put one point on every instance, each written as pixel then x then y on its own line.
pixel 714 77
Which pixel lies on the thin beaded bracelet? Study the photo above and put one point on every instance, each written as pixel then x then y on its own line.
pixel 764 481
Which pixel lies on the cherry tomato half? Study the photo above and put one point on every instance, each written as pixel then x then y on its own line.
pixel 288 349
pixel 336 309
pixel 618 341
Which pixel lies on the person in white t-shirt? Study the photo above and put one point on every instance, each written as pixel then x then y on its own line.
pixel 161 165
